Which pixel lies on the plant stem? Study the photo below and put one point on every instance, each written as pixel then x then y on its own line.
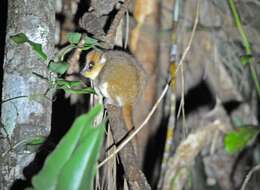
pixel 246 44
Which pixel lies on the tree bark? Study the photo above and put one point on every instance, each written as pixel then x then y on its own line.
pixel 26 111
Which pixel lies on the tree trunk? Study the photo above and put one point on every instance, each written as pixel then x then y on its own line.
pixel 26 111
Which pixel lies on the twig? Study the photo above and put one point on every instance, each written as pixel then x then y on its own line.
pixel 185 53
pixel 127 30
pixel 131 136
pixel 10 99
pixel 74 59
pixel 249 175
pixel 22 142
pixel 183 102
pixel 148 117
pixel 181 108
pixel 246 44
pixel 187 49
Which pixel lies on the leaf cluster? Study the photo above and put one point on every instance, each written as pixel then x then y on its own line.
pixel 59 65
pixel 73 163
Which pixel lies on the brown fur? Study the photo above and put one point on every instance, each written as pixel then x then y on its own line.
pixel 123 76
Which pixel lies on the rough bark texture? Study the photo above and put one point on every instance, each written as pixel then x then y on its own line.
pixel 30 115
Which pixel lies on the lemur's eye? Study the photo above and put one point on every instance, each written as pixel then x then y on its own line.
pixel 91 64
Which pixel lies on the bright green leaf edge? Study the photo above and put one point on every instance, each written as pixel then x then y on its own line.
pixel 79 172
pixel 21 38
pixel 236 141
pixel 48 176
pixel 58 67
pixel 74 37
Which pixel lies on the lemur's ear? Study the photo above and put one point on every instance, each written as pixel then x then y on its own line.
pixel 90 55
pixel 94 55
pixel 103 59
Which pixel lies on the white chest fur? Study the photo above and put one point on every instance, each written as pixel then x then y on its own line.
pixel 102 90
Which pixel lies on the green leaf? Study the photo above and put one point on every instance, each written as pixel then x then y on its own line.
pixel 72 165
pixel 246 59
pixel 70 87
pixel 86 90
pixel 38 50
pixel 79 172
pixel 19 38
pixel 236 140
pixel 36 141
pixel 22 38
pixel 74 37
pixel 90 41
pixel 58 67
pixel 61 83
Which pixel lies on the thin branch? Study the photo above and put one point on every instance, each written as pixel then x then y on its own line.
pixel 10 99
pixel 74 59
pixel 184 55
pixel 249 175
pixel 127 30
pixel 148 117
pixel 181 108
pixel 187 49
pixel 245 42
pixel 131 136
pixel 182 101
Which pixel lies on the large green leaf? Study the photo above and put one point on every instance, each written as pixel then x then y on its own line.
pixel 22 38
pixel 237 140
pixel 73 162
pixel 79 172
